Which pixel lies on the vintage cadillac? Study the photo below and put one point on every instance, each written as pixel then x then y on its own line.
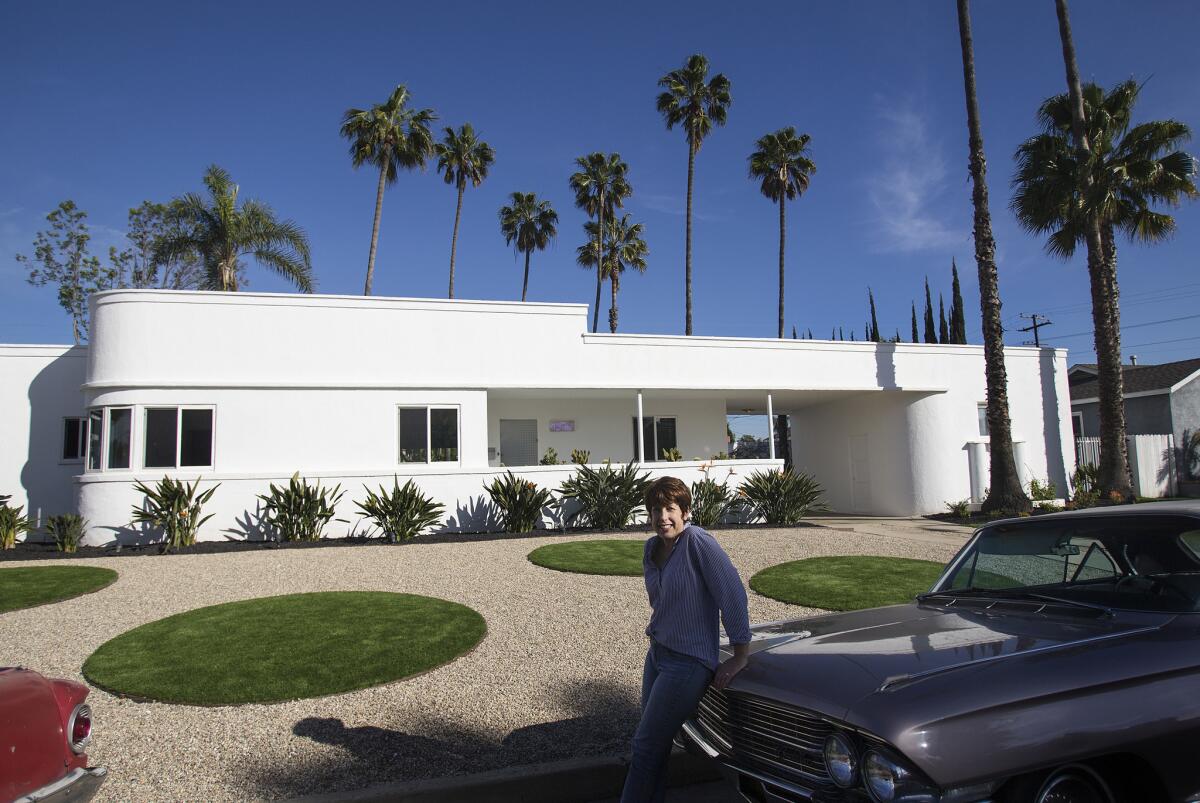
pixel 45 725
pixel 1056 660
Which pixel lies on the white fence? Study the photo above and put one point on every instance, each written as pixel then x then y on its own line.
pixel 1151 462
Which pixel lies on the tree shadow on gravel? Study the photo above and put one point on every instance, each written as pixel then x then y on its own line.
pixel 605 716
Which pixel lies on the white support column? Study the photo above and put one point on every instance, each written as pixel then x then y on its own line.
pixel 771 426
pixel 641 432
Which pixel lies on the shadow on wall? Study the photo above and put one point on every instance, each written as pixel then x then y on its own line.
pixel 54 394
pixel 477 514
pixel 604 716
pixel 1056 468
pixel 885 365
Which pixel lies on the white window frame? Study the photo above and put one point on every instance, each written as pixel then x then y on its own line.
pixel 178 408
pixel 106 436
pixel 981 422
pixel 83 440
pixel 428 408
pixel 654 458
pixel 1079 416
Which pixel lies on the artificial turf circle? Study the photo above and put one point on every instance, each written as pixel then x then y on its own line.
pixel 284 648
pixel 28 586
pixel 847 583
pixel 611 557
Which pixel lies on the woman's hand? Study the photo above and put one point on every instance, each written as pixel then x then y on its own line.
pixel 728 669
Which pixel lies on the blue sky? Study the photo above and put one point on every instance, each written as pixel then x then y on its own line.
pixel 111 104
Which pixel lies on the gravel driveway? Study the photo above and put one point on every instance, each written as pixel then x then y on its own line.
pixel 556 676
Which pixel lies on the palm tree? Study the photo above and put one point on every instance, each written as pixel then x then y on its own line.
pixel 1005 492
pixel 782 164
pixel 218 233
pixel 1083 183
pixel 462 157
pixel 624 248
pixel 697 105
pixel 600 185
pixel 390 137
pixel 528 224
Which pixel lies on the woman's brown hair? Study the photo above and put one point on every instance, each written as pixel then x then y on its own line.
pixel 665 490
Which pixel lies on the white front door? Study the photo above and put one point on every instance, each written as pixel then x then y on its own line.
pixel 860 474
pixel 518 442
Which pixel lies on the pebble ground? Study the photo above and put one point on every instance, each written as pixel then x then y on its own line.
pixel 555 677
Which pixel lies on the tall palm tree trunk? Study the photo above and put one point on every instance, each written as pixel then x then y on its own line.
pixel 454 237
pixel 599 263
pixel 525 285
pixel 1113 472
pixel 615 281
pixel 1006 492
pixel 375 231
pixel 687 248
pixel 782 238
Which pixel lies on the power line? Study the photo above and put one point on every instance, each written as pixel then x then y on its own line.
pixel 1089 333
pixel 1160 342
pixel 1034 327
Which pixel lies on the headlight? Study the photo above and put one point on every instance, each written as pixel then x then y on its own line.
pixel 889 781
pixel 840 761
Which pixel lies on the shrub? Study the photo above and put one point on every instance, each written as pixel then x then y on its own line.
pixel 781 497
pixel 300 511
pixel 550 458
pixel 720 456
pixel 1042 491
pixel 175 507
pixel 12 524
pixel 519 500
pixel 608 498
pixel 401 513
pixel 960 509
pixel 67 530
pixel 580 456
pixel 711 500
pixel 672 455
pixel 1083 499
pixel 1085 479
pixel 1047 507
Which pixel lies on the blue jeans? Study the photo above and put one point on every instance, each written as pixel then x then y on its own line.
pixel 672 685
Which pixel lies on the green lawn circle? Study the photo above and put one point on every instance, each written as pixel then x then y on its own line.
pixel 607 556
pixel 27 586
pixel 847 583
pixel 284 648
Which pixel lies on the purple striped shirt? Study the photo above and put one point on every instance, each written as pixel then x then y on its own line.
pixel 696 585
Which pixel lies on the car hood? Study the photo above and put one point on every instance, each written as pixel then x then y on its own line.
pixel 830 663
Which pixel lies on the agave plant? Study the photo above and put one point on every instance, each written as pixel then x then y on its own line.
pixel 608 498
pixel 781 497
pixel 12 524
pixel 520 502
pixel 711 500
pixel 67 530
pixel 672 455
pixel 175 507
pixel 300 511
pixel 550 458
pixel 580 457
pixel 401 513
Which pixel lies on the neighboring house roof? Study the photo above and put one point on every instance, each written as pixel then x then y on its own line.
pixel 1144 379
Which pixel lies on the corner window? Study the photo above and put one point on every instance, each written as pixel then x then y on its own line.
pixel 178 437
pixel 428 434
pixel 95 439
pixel 74 445
pixel 981 414
pixel 120 431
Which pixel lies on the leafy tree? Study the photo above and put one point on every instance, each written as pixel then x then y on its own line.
pixel 528 224
pixel 392 138
pixel 781 163
pixel 915 337
pixel 1006 491
pixel 873 328
pixel 958 322
pixel 695 104
pixel 219 233
pixel 61 257
pixel 600 186
pixel 1062 191
pixel 150 225
pixel 943 327
pixel 462 157
pixel 930 332
pixel 623 248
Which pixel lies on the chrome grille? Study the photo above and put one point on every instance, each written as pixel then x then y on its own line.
pixel 766 734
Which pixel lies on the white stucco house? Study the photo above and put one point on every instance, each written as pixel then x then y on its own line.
pixel 245 389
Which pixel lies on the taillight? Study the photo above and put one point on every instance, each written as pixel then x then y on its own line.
pixel 79 727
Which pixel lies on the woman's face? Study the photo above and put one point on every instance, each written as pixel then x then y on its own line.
pixel 668 521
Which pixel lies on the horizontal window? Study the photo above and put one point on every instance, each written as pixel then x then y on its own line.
pixel 168 437
pixel 74 445
pixel 178 437
pixel 428 434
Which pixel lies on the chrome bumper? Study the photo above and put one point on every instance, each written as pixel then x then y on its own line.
pixel 75 787
pixel 753 786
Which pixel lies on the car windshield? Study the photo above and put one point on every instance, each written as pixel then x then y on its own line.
pixel 1142 562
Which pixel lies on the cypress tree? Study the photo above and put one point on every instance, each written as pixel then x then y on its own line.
pixel 874 331
pixel 943 329
pixel 958 322
pixel 841 334
pixel 930 330
pixel 793 331
pixel 832 334
pixel 810 337
pixel 916 338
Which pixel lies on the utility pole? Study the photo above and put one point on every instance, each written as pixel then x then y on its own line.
pixel 1033 327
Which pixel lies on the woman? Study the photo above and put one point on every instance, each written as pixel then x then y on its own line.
pixel 691 582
